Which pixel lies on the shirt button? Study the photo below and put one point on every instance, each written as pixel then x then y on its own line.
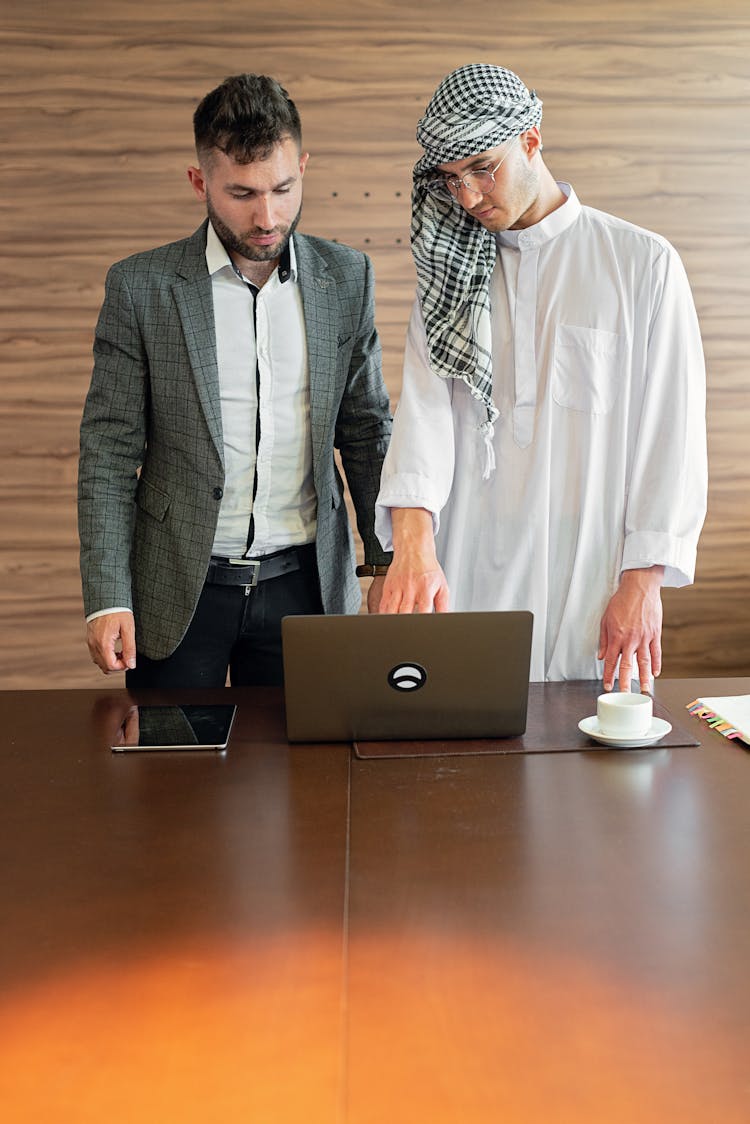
pixel 218 493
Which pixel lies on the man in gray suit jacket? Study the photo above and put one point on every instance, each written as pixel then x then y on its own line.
pixel 228 366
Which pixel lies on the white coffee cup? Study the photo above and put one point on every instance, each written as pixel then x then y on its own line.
pixel 624 715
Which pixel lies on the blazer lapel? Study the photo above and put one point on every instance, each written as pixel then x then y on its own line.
pixel 194 299
pixel 320 307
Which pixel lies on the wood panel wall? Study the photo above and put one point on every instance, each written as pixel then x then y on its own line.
pixel 646 112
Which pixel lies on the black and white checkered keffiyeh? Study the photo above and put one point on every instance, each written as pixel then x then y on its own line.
pixel 475 108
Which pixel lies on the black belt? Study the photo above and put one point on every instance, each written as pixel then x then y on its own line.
pixel 249 571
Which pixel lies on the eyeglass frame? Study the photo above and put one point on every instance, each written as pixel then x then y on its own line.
pixel 440 185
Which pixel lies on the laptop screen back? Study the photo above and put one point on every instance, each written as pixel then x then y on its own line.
pixel 415 676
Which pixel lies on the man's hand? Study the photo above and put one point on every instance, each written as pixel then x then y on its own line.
pixel 631 629
pixel 415 582
pixel 111 641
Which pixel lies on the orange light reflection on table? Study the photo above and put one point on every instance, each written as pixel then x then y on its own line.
pixel 204 1032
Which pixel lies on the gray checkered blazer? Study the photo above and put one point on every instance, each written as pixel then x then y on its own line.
pixel 153 405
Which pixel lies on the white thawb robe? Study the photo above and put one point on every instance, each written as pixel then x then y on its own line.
pixel 600 445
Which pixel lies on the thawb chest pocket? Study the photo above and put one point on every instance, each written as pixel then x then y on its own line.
pixel 587 366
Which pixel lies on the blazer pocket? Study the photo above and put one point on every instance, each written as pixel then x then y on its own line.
pixel 585 374
pixel 152 500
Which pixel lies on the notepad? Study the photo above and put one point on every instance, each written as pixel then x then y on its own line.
pixel 728 714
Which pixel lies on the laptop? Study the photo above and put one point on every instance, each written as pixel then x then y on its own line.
pixel 406 677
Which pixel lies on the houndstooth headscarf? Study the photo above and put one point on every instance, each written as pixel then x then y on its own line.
pixel 475 108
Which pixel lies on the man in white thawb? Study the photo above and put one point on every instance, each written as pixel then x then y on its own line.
pixel 549 446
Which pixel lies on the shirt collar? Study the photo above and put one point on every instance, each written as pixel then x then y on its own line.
pixel 547 228
pixel 217 257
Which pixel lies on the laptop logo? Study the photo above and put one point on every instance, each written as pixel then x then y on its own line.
pixel 407 677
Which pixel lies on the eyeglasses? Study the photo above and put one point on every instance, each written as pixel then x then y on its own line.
pixel 480 182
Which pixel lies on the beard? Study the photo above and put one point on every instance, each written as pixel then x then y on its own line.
pixel 520 198
pixel 237 244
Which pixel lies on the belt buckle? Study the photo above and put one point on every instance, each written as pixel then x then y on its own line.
pixel 254 566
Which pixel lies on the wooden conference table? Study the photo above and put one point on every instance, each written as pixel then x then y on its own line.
pixel 297 934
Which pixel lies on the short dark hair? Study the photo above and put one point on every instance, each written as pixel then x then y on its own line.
pixel 245 117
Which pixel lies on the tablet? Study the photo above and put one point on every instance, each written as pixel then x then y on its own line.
pixel 184 727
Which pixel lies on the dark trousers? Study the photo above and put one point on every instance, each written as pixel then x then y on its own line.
pixel 236 631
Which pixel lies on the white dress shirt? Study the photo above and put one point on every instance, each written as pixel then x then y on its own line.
pixel 285 505
pixel 600 445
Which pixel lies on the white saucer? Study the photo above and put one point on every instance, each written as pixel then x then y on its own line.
pixel 590 727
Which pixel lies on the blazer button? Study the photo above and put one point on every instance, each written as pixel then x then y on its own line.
pixel 218 493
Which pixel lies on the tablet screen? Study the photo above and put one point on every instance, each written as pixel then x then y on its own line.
pixel 194 727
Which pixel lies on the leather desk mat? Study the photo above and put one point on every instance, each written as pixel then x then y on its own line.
pixel 554 711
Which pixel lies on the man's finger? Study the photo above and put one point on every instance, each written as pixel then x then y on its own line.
pixel 644 670
pixel 127 637
pixel 391 598
pixel 608 676
pixel 626 671
pixel 602 649
pixel 442 599
pixel 610 653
